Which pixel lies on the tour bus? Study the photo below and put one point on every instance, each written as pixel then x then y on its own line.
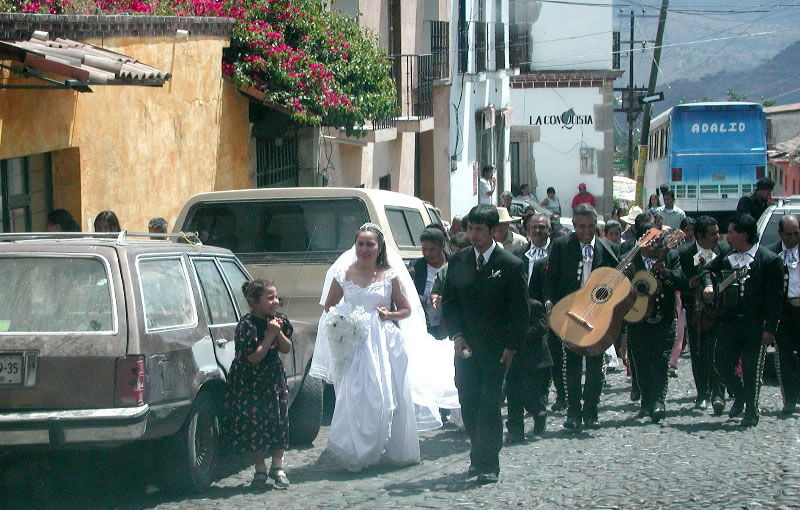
pixel 709 154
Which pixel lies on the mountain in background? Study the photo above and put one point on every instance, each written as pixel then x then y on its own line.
pixel 776 77
pixel 708 49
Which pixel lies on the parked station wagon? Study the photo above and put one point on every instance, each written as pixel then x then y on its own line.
pixel 109 339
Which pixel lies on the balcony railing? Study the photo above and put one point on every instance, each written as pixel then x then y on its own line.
pixel 413 75
pixel 500 46
pixel 440 49
pixel 520 45
pixel 481 45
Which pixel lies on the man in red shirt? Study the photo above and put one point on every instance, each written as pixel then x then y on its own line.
pixel 583 197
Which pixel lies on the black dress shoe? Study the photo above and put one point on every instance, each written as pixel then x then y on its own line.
pixel 573 423
pixel 644 411
pixel 789 409
pixel 701 403
pixel 472 471
pixel 672 372
pixel 539 423
pixel 590 420
pixel 636 394
pixel 749 420
pixel 659 413
pixel 736 408
pixel 558 405
pixel 719 406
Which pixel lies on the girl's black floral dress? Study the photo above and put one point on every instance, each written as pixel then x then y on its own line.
pixel 256 410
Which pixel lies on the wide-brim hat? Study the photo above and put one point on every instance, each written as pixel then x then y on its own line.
pixel 505 217
pixel 630 219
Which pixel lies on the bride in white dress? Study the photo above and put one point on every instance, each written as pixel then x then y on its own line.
pixel 390 377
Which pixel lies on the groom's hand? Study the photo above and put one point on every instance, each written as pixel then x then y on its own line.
pixel 459 344
pixel 507 358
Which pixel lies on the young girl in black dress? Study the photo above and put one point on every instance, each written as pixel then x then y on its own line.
pixel 257 400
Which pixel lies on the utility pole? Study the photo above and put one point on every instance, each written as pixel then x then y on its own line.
pixel 651 88
pixel 631 113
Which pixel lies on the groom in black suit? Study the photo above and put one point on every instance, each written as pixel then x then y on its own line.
pixel 571 261
pixel 485 309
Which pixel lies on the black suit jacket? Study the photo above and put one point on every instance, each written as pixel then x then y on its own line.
pixel 520 253
pixel 419 273
pixel 686 254
pixel 488 308
pixel 561 274
pixel 777 248
pixel 763 290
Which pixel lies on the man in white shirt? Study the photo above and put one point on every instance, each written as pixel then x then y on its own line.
pixel 672 215
pixel 788 336
pixel 486 186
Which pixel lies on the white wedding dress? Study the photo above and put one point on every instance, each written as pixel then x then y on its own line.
pixel 394 385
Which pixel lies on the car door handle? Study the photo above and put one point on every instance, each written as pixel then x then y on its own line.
pixel 221 342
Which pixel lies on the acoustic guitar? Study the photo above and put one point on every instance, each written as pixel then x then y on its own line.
pixel 646 285
pixel 589 319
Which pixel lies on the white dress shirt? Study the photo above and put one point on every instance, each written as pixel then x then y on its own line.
pixel 487 254
pixel 703 253
pixel 790 257
pixel 534 254
pixel 587 263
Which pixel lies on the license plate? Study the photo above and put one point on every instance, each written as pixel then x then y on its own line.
pixel 11 369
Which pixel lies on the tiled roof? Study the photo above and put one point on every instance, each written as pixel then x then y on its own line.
pixel 787 149
pixel 79 62
pixel 782 108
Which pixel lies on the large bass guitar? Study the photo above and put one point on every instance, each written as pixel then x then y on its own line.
pixel 589 319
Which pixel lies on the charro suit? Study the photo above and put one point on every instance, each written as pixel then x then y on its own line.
pixel 787 340
pixel 487 307
pixel 560 280
pixel 740 326
pixel 701 343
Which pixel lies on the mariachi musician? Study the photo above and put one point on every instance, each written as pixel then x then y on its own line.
pixel 572 259
pixel 700 318
pixel 651 339
pixel 748 313
pixel 788 336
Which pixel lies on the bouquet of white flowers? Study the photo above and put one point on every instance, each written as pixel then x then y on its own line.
pixel 347 327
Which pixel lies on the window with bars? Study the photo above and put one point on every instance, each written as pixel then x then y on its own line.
pixel 276 162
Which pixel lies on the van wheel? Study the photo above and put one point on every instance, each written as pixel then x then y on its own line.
pixel 305 415
pixel 191 455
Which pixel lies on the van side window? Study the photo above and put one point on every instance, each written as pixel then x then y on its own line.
pixel 215 294
pixel 167 298
pixel 406 225
pixel 279 226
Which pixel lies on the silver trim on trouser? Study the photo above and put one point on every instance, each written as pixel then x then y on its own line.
pixel 759 371
pixel 778 372
pixel 564 374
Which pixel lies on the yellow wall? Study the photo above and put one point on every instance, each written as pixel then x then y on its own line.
pixel 141 151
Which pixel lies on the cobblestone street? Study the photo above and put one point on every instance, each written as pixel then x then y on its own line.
pixel 691 460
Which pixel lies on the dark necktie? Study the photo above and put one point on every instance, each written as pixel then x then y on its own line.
pixel 480 262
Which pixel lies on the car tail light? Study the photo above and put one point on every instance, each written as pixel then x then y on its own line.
pixel 760 172
pixel 677 174
pixel 129 383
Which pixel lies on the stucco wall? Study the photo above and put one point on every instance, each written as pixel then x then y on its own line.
pixel 557 151
pixel 576 36
pixel 142 151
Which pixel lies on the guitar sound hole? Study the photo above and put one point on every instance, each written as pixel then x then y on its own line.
pixel 601 294
pixel 642 288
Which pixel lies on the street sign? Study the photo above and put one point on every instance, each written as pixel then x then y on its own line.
pixel 658 96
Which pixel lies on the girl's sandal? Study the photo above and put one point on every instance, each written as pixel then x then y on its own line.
pixel 279 477
pixel 259 480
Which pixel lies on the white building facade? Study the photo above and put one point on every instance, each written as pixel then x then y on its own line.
pixel 563 102
pixel 479 100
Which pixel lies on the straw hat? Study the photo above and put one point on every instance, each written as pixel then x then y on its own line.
pixel 505 217
pixel 630 219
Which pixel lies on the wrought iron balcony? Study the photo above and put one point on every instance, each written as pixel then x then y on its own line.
pixel 440 49
pixel 520 45
pixel 486 43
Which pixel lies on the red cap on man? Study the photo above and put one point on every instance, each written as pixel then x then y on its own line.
pixel 581 186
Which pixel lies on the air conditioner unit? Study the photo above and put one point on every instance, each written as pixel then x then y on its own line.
pixel 585 151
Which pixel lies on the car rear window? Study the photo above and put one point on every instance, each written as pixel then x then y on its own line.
pixel 406 225
pixel 770 232
pixel 279 226
pixel 42 294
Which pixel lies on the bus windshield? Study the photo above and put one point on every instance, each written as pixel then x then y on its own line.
pixel 731 130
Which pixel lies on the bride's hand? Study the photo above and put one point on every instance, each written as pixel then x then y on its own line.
pixel 383 313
